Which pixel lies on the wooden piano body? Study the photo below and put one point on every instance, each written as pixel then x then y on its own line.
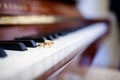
pixel 65 16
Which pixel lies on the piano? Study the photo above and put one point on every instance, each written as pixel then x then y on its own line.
pixel 40 37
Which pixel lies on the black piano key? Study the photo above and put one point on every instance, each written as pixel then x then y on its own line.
pixel 60 34
pixel 28 43
pixel 2 53
pixel 55 35
pixel 49 37
pixel 36 39
pixel 13 46
pixel 63 33
pixel 72 30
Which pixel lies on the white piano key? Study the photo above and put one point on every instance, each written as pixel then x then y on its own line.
pixel 56 58
pixel 48 63
pixel 62 54
pixel 26 74
pixel 38 69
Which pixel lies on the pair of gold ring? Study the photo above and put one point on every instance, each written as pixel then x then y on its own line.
pixel 46 44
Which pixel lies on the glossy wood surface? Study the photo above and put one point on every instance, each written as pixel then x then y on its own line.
pixel 11 32
pixel 71 15
pixel 37 7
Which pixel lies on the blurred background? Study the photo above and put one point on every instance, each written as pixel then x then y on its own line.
pixel 109 53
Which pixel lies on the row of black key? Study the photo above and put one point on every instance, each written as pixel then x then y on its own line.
pixel 17 44
pixel 20 44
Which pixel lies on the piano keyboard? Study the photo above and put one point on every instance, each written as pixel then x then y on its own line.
pixel 33 62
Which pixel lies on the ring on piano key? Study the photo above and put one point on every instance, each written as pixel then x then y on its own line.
pixel 46 44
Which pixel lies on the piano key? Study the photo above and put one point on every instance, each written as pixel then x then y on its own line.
pixel 27 43
pixel 36 39
pixel 49 37
pixel 73 30
pixel 35 60
pixel 63 33
pixel 2 53
pixel 55 35
pixel 13 46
